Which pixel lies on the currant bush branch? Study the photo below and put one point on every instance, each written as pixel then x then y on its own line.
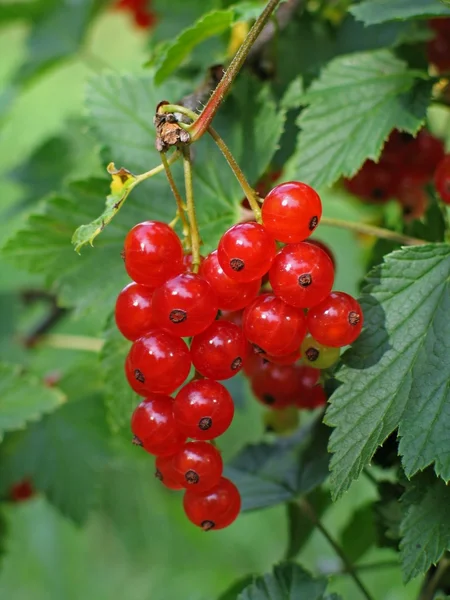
pixel 193 226
pixel 247 189
pixel 71 342
pixel 378 232
pixel 200 126
pixel 432 586
pixel 309 512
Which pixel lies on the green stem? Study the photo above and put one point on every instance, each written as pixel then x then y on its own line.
pixel 428 592
pixel 143 176
pixel 246 187
pixel 378 232
pixel 204 121
pixel 308 510
pixel 179 200
pixel 71 342
pixel 193 227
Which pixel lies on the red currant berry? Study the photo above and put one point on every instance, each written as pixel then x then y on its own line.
pixel 374 181
pixel 166 473
pixel 153 426
pixel 313 398
pixel 185 305
pixel 412 196
pixel 287 359
pixel 337 321
pixel 220 351
pixel 302 275
pixel 187 262
pixel 325 248
pixel 152 253
pixel 442 179
pixel 157 363
pixel 231 294
pixel 275 386
pixel 203 409
pixel 233 316
pixel 199 464
pixel 429 151
pixel 438 49
pixel 215 509
pixel 134 311
pixel 291 211
pixel 246 251
pixel 274 326
pixel 317 355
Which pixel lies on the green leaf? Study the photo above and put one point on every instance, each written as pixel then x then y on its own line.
pixel 352 107
pixel 174 53
pixel 23 398
pixel 74 440
pixel 379 11
pixel 44 49
pixel 122 110
pixel 232 592
pixel 388 514
pixel 122 183
pixel 87 282
pixel 268 474
pixel 287 582
pixel 300 527
pixel 120 398
pixel 397 373
pixel 425 528
pixel 354 544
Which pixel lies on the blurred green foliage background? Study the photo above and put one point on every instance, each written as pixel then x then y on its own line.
pixel 137 545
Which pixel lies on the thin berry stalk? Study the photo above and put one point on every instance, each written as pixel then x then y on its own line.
pixel 193 226
pixel 173 186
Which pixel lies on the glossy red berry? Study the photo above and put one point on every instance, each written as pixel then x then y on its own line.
pixel 133 312
pixel 200 466
pixel 337 321
pixel 157 363
pixel 442 179
pixel 286 359
pixel 153 426
pixel 215 509
pixel 276 386
pixel 412 196
pixel 185 305
pixel 220 351
pixel 166 473
pixel 152 253
pixel 291 211
pixel 302 274
pixel 203 409
pixel 246 251
pixel 427 154
pixel 233 316
pixel 231 294
pixel 325 248
pixel 274 326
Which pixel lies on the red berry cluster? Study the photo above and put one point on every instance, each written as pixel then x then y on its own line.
pixel 142 14
pixel 406 165
pixel 438 48
pixel 168 302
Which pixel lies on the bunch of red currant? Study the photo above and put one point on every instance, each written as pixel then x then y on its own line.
pixel 168 303
pixel 142 14
pixel 406 165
